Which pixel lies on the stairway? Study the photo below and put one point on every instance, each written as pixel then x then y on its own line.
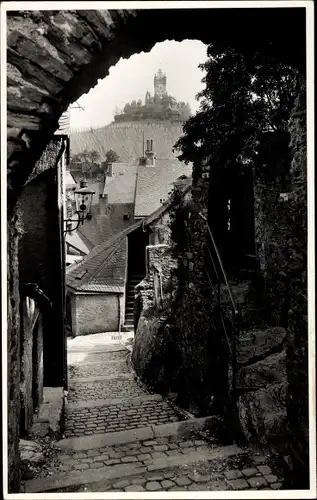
pixel 129 307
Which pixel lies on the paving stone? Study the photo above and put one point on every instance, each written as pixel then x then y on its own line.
pixel 249 472
pixel 198 478
pixel 238 484
pixel 167 483
pixel 186 444
pixel 81 466
pixel 177 488
pixel 257 482
pixel 87 460
pixel 193 487
pixel 134 488
pixel 183 481
pixel 144 456
pixel 276 486
pixel 112 461
pixel 217 486
pixel 173 446
pixel 96 465
pixel 149 443
pixel 160 447
pixel 129 459
pixel 271 478
pixel 153 486
pixel 158 454
pixel 264 469
pixel 233 474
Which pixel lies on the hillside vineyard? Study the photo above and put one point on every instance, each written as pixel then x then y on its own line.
pixel 126 139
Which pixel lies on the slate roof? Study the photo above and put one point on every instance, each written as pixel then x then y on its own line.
pixel 103 270
pixel 121 189
pixel 154 184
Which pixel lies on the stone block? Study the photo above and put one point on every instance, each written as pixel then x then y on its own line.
pixel 153 486
pixel 238 484
pixel 31 452
pixel 262 415
pixel 233 474
pixel 259 343
pixel 271 370
pixel 257 482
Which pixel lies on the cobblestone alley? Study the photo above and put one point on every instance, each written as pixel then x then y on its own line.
pixel 118 437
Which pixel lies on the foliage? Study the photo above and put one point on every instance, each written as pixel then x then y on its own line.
pixel 243 103
pixel 90 162
pixel 111 157
pixel 86 161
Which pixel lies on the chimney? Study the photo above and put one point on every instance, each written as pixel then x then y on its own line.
pixel 149 153
pixel 103 204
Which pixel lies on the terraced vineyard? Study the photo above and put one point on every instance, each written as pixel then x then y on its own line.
pixel 126 139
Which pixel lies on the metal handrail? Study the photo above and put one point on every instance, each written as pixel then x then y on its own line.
pixel 221 266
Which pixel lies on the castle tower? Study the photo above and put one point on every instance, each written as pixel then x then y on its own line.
pixel 159 84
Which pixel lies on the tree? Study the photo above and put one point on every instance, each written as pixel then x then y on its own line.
pixel 241 126
pixel 111 157
pixel 244 99
pixel 86 161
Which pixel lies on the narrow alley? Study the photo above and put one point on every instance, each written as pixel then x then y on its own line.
pixel 118 437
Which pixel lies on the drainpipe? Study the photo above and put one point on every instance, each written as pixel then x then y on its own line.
pixel 119 309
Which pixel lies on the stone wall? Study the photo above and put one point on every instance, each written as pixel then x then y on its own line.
pixel 13 340
pixel 296 269
pixel 40 262
pixel 151 296
pixel 95 313
pixel 262 387
pixel 281 234
pixel 31 352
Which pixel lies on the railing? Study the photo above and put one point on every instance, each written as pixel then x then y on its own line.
pixel 221 277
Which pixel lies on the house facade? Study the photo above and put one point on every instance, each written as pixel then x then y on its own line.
pixel 130 215
pixel 41 260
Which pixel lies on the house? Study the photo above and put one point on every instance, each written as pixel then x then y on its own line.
pixel 100 289
pixel 129 192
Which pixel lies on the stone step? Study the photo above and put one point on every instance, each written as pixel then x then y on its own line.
pixel 181 428
pixel 106 474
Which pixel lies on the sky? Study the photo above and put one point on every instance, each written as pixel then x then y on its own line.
pixel 130 78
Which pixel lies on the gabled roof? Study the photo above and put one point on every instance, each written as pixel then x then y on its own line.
pixel 154 184
pixel 104 267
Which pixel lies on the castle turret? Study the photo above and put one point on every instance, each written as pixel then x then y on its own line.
pixel 160 84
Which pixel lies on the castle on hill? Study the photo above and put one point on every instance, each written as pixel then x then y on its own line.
pixel 160 106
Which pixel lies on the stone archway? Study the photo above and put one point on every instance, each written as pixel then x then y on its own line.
pixel 54 57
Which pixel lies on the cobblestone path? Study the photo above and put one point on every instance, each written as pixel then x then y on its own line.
pixel 121 438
